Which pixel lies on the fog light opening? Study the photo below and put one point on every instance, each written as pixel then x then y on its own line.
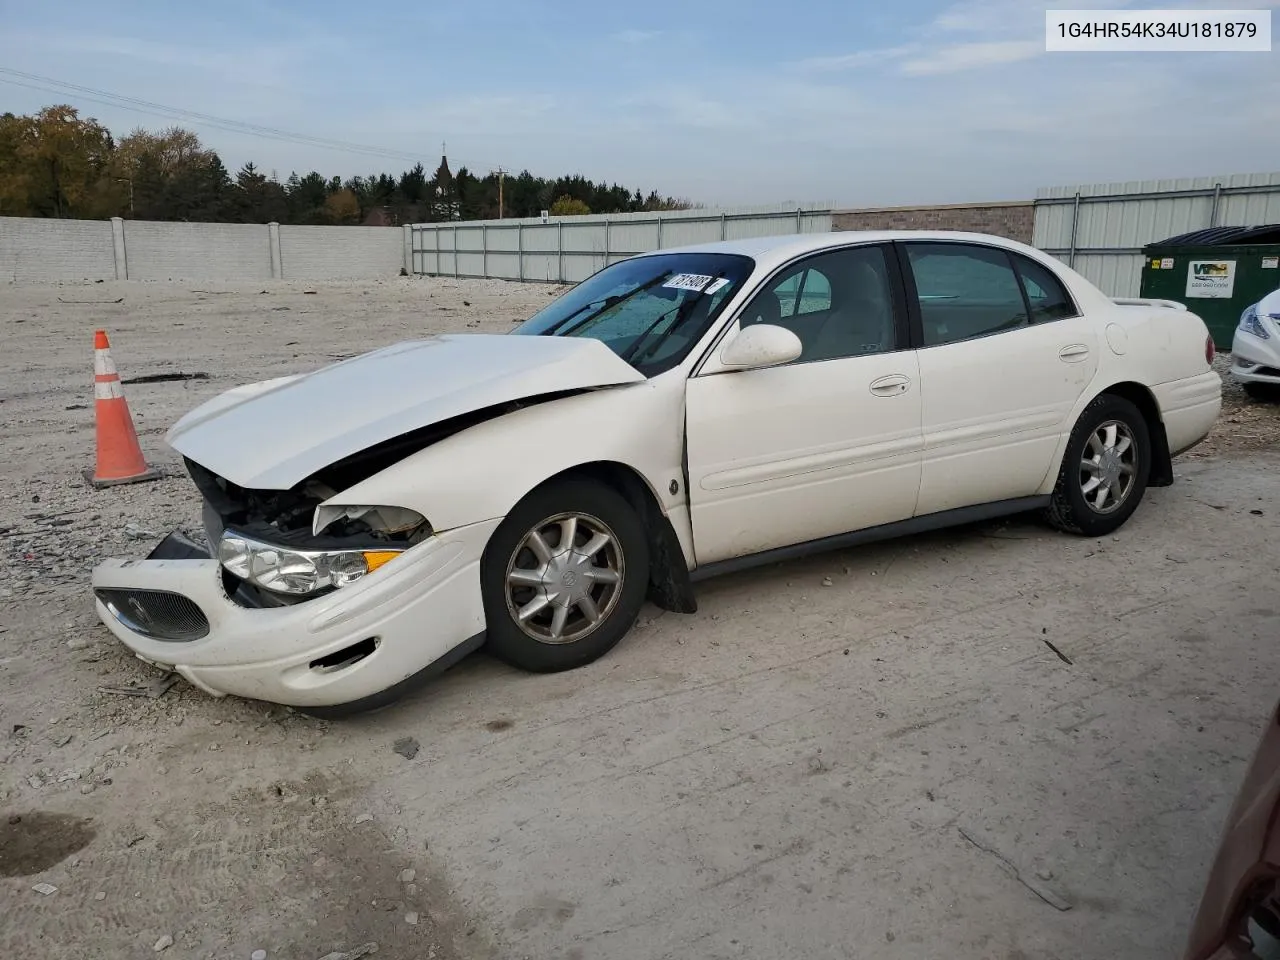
pixel 346 657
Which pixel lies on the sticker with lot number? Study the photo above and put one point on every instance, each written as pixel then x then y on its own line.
pixel 688 281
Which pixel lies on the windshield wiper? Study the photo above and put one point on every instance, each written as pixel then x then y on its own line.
pixel 635 354
pixel 608 303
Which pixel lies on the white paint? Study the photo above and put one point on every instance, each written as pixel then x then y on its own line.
pixel 776 456
pixel 760 345
pixel 277 438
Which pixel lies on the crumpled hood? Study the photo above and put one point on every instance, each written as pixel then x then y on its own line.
pixel 271 435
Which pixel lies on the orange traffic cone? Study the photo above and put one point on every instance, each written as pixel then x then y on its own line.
pixel 120 458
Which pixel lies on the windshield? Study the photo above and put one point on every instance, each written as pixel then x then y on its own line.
pixel 648 310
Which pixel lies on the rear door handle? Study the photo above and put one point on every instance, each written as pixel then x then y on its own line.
pixel 1073 353
pixel 890 386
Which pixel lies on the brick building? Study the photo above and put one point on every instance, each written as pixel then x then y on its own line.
pixel 1012 219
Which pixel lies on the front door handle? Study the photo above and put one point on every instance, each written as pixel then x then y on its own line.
pixel 1074 353
pixel 890 386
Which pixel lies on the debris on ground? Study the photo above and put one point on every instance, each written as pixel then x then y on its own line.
pixel 1036 887
pixel 364 818
pixel 408 876
pixel 407 747
pixel 155 689
pixel 361 951
pixel 45 888
pixel 163 944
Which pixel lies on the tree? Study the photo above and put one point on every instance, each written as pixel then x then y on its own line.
pixel 567 206
pixel 57 165
pixel 342 207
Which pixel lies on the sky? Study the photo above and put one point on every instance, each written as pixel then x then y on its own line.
pixel 719 101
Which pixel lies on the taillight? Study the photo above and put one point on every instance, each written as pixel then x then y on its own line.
pixel 1208 350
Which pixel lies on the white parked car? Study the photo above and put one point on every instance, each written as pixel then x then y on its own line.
pixel 678 414
pixel 1255 348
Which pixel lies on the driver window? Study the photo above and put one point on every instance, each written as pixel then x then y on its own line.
pixel 840 304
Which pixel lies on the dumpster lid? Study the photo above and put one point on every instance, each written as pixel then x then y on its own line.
pixel 1223 236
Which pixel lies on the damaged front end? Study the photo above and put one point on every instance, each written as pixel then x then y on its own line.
pixel 280 547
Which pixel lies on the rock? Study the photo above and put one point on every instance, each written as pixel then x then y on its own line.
pixel 81 643
pixel 1045 874
pixel 408 876
pixel 45 889
pixel 407 747
pixel 258 955
pixel 99 895
pixel 164 943
pixel 364 818
pixel 826 581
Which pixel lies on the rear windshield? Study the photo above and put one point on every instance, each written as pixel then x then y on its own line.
pixel 648 310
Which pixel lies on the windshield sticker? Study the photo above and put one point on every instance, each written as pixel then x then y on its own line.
pixel 687 281
pixel 716 286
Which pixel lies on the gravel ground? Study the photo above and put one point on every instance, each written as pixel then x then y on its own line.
pixel 799 768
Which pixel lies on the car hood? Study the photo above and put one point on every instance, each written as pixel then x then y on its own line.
pixel 272 435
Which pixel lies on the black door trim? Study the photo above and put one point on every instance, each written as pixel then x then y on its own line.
pixel 885 531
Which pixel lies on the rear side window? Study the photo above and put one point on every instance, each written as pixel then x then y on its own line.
pixel 1046 294
pixel 965 291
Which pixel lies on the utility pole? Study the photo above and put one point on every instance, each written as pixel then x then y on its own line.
pixel 501 175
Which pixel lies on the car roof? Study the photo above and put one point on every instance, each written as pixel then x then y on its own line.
pixel 778 249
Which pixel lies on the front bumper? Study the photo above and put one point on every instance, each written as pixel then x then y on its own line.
pixel 416 610
pixel 1254 360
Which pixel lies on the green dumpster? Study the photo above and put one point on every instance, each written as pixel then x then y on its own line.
pixel 1215 272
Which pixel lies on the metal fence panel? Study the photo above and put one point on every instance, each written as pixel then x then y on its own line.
pixel 1101 228
pixel 570 249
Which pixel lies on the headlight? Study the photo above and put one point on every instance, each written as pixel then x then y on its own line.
pixel 1250 322
pixel 286 570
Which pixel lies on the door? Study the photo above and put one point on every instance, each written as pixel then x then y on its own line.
pixel 1004 356
pixel 823 445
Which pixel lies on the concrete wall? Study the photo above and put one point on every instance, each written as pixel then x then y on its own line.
pixel 1014 220
pixel 341 253
pixel 40 250
pixel 45 250
pixel 197 251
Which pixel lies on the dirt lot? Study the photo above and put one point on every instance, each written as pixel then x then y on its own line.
pixel 893 765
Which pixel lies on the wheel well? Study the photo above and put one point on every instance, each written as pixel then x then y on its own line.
pixel 670 587
pixel 1142 398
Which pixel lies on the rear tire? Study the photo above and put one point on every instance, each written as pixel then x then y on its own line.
pixel 1263 392
pixel 1105 469
pixel 564 576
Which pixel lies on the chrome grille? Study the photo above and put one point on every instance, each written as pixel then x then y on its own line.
pixel 157 614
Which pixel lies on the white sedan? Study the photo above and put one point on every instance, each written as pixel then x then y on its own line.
pixel 1255 348
pixel 677 415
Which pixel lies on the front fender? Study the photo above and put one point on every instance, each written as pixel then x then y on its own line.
pixel 482 472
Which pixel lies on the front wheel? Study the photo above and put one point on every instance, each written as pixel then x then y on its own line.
pixel 1105 470
pixel 564 576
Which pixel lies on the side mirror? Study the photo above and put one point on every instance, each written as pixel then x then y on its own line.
pixel 761 345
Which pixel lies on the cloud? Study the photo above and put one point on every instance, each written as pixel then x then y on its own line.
pixel 857 59
pixel 972 56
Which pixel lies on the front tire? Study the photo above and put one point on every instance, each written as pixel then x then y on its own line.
pixel 1105 469
pixel 564 576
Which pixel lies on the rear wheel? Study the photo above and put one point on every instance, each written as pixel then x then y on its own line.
pixel 1263 392
pixel 1105 470
pixel 564 576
